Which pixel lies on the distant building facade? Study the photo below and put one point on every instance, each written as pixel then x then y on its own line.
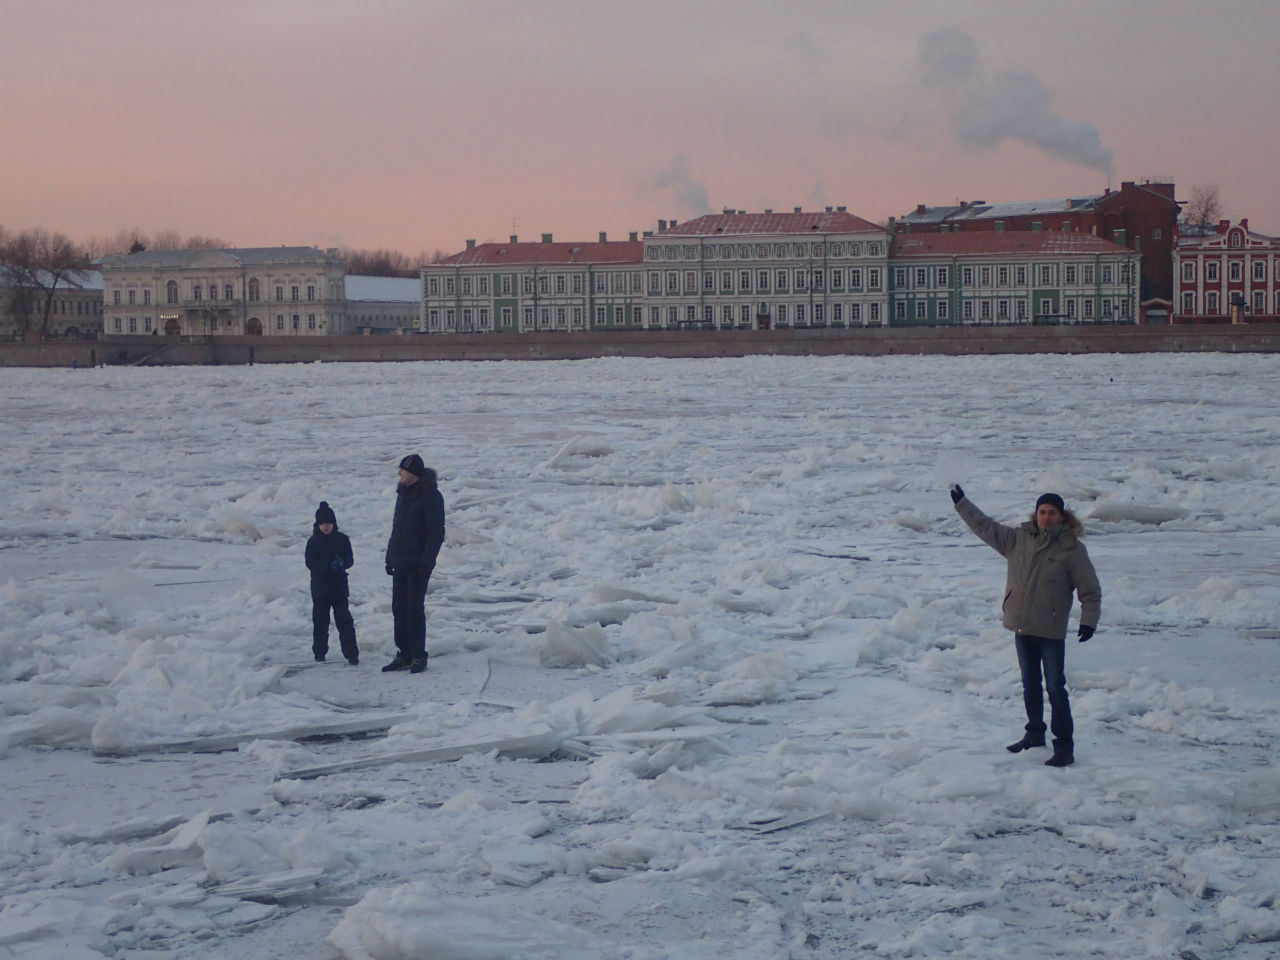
pixel 275 291
pixel 1011 277
pixel 75 313
pixel 382 304
pixel 1142 217
pixel 520 287
pixel 1232 274
pixel 766 270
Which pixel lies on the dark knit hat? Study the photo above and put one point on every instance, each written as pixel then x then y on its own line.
pixel 324 513
pixel 1053 500
pixel 413 463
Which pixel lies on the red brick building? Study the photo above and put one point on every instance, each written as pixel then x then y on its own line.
pixel 1142 217
pixel 1231 275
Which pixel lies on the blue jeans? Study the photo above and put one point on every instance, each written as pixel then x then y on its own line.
pixel 1034 654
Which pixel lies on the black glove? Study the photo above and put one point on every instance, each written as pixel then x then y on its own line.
pixel 1085 632
pixel 956 493
pixel 391 571
pixel 337 565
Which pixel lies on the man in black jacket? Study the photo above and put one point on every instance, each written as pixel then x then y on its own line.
pixel 417 531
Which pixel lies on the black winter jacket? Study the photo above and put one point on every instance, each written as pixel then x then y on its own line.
pixel 417 530
pixel 329 558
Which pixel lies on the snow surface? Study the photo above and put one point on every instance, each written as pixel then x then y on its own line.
pixel 739 663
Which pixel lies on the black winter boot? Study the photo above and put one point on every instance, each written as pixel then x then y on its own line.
pixel 1061 758
pixel 1026 743
pixel 401 662
pixel 418 665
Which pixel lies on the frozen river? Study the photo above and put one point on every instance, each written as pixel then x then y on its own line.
pixel 737 663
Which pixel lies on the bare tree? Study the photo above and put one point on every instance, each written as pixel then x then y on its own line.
pixel 1204 209
pixel 379 263
pixel 33 264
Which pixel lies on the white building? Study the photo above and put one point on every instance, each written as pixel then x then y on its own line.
pixel 382 304
pixel 275 291
pixel 755 270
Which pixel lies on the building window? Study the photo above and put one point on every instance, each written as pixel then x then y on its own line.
pixel 146 325
pixel 228 293
pixel 544 317
pixel 837 309
pixel 433 319
pixel 1259 270
pixel 744 281
pixel 899 311
pixel 744 314
pixel 673 282
pixel 1020 276
pixel 855 313
pixel 673 316
pixel 506 285
pixel 133 297
pixel 560 284
pixel 577 283
pixel 819 313
pixel 762 280
pixel 781 280
pixel 198 292
pixel 1046 274
pixel 855 278
pixel 922 310
pixel 1188 302
pixel 873 278
pixel 837 281
pixel 254 290
pixel 279 293
pixel 726 281
pixel 1021 311
pixel 115 297
pixel 562 318
pixel 528 318
pixel 1234 271
pixel 1211 272
pixel 985 276
pixel 1070 271
pixel 280 321
pixel 1071 308
pixel 293 293
pixel 874 308
pixel 297 319
pixel 966 310
pixel 986 310
pixel 1002 276
pixel 921 275
pixel 1002 310
pixel 213 291
pixel 311 321
pixel 966 276
pixel 655 316
pixel 941 307
pixel 654 283
pixel 899 278
pixel 506 316
pixel 1259 301
pixel 1106 273
pixel 1088 309
pixel 482 286
pixel 782 313
pixel 133 324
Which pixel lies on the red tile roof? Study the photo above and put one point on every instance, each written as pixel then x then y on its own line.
pixel 494 254
pixel 722 224
pixel 1010 242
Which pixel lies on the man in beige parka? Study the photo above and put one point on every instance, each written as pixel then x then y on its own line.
pixel 1047 563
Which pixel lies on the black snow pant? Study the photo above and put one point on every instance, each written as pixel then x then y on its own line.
pixel 409 612
pixel 322 601
pixel 1035 653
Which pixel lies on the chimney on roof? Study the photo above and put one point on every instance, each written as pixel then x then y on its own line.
pixel 893 224
pixel 648 233
pixel 604 238
pixel 546 238
pixel 727 210
pixel 828 209
pixel 632 236
pixel 1244 223
pixel 662 226
pixel 471 244
pixel 798 210
pixel 514 238
pixel 920 209
pixel 842 209
pixel 767 211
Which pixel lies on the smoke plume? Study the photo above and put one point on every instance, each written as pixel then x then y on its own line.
pixel 1015 105
pixel 688 193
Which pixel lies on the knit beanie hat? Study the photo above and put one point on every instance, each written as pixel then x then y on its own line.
pixel 324 514
pixel 1053 500
pixel 413 463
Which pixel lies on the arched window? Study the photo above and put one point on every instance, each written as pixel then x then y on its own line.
pixel 254 290
pixel 171 292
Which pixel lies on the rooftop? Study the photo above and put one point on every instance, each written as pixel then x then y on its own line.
pixel 492 254
pixel 756 224
pixel 232 256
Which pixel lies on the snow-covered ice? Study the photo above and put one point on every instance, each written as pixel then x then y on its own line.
pixel 722 671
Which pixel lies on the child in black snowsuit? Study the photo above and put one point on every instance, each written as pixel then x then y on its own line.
pixel 329 558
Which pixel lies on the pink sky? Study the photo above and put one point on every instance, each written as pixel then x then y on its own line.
pixel 415 125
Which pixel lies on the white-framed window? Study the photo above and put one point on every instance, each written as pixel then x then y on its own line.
pixel 922 310
pixel 855 313
pixel 1002 310
pixel 133 324
pixel 744 314
pixel 985 310
pixel 985 276
pixel 1259 270
pixel 781 281
pixel 1020 276
pixel 762 281
pixel 1046 274
pixel 782 313
pixel 691 313
pixel 966 310
pixel 1211 272
pixel 899 278
pixel 1071 308
pixel 1021 311
pixel 1259 301
pixel 837 281
pixel 900 310
pixel 655 283
pixel 873 309
pixel 655 316
pixel 528 318
pixel 726 281
pixel 922 277
pixel 942 276
pixel 1046 307
pixel 1107 273
pixel 873 278
pixel 855 278
pixel 1070 273
pixel 433 286
pixel 600 316
pixel 279 321
pixel 1188 302
pixel 1088 308
pixel 966 276
pixel 311 321
pixel 837 309
pixel 1107 308
pixel 1235 271
pixel 941 307
pixel 296 320
pixel 118 325
pixel 744 281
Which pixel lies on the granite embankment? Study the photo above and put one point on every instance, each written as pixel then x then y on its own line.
pixel 949 341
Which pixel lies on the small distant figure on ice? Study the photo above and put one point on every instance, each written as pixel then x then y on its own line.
pixel 417 531
pixel 329 558
pixel 1047 562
